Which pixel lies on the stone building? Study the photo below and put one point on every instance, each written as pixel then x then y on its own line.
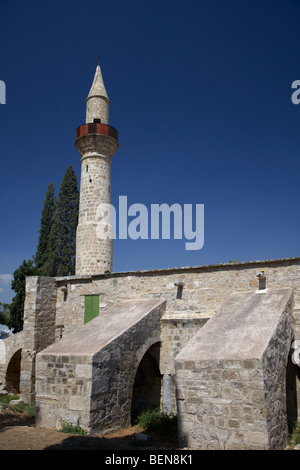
pixel 215 343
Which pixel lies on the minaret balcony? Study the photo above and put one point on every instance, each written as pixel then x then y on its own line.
pixel 96 128
pixel 96 140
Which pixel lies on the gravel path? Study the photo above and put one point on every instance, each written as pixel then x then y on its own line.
pixel 17 432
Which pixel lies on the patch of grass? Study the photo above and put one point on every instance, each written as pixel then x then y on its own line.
pixel 163 424
pixel 21 407
pixel 69 428
pixel 6 399
pixel 295 436
pixel 28 409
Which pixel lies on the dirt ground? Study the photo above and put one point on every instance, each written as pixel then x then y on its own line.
pixel 17 432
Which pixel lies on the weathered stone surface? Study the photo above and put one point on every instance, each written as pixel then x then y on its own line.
pixel 89 374
pixel 205 288
pixel 93 249
pixel 39 328
pixel 97 103
pixel 55 307
pixel 234 370
pixel 9 348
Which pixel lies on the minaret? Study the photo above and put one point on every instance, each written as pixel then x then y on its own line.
pixel 96 142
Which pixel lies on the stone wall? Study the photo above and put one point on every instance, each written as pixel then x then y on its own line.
pixel 89 374
pixel 114 372
pixel 92 254
pixel 204 288
pixel 192 294
pixel 97 107
pixel 39 329
pixel 64 384
pixel 176 331
pixel 231 377
pixel 274 367
pixel 8 348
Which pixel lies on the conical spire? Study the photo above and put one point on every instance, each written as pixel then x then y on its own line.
pixel 97 102
pixel 98 88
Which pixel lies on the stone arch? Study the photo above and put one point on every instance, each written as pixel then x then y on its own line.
pixel 147 384
pixel 101 358
pixel 10 355
pixel 12 382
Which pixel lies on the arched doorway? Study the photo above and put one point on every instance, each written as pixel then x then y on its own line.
pixel 146 392
pixel 13 373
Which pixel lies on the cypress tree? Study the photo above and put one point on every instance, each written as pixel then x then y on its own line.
pixel 16 308
pixel 42 252
pixel 62 239
pixel 55 254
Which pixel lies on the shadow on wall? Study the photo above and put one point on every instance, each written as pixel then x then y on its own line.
pixel 12 384
pixel 292 376
pixel 147 384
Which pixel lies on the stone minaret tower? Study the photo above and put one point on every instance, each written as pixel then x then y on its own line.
pixel 96 142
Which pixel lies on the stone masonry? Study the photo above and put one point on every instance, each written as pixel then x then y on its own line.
pixel 204 290
pixel 39 329
pixel 97 102
pixel 89 375
pixel 96 142
pixel 231 377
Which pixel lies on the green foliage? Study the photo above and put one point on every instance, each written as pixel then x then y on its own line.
pixel 62 239
pixel 161 423
pixel 19 407
pixel 295 436
pixel 43 248
pixel 55 254
pixel 6 399
pixel 296 433
pixel 69 428
pixel 28 409
pixel 16 308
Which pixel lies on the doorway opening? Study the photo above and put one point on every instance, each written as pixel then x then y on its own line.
pixel 146 394
pixel 13 373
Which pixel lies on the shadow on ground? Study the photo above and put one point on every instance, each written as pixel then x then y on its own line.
pixel 87 443
pixel 17 432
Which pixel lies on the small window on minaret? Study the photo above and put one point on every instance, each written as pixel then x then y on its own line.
pixel 97 120
pixel 87 168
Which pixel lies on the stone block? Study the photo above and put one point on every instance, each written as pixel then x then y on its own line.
pixel 230 363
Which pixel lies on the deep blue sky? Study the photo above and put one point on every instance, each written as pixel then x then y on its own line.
pixel 201 97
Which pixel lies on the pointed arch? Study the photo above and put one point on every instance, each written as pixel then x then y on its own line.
pixel 13 370
pixel 147 385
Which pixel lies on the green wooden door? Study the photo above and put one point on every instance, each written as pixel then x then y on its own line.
pixel 91 307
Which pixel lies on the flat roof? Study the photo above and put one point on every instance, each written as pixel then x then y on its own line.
pixel 206 267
